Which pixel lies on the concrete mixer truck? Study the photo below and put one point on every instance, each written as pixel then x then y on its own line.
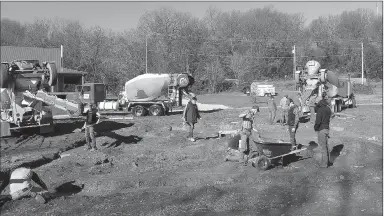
pixel 153 94
pixel 311 79
pixel 24 101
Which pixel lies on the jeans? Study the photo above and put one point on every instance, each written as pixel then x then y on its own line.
pixel 272 116
pixel 244 134
pixel 90 135
pixel 247 140
pixel 292 135
pixel 191 127
pixel 284 116
pixel 323 143
pixel 312 118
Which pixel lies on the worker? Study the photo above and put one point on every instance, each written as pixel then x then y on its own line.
pixel 284 104
pixel 190 116
pixel 293 122
pixel 248 129
pixel 272 109
pixel 20 184
pixel 321 126
pixel 299 101
pixel 92 118
pixel 312 104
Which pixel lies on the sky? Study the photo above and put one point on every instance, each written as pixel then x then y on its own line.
pixel 122 15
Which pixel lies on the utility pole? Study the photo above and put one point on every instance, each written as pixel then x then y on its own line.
pixel 377 10
pixel 294 60
pixel 146 53
pixel 362 63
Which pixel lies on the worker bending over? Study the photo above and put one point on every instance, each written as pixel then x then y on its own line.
pixel 20 184
pixel 248 129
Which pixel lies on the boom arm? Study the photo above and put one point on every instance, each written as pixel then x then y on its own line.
pixel 71 108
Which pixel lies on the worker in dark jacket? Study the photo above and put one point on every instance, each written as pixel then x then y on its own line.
pixel 272 109
pixel 92 118
pixel 191 114
pixel 321 126
pixel 293 122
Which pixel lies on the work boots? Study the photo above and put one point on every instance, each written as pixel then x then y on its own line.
pixel 324 163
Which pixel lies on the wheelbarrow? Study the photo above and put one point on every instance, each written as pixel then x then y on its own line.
pixel 272 152
pixel 275 152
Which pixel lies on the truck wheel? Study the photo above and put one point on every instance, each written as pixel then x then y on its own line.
pixel 262 163
pixel 156 110
pixel 297 78
pixel 139 111
pixel 339 106
pixel 52 74
pixel 323 76
pixel 353 105
pixel 334 108
pixel 4 76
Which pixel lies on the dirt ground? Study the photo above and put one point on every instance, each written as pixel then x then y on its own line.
pixel 144 168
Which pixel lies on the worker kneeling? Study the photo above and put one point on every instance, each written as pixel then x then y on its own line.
pixel 20 184
pixel 239 151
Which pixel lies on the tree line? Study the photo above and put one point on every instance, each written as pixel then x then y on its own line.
pixel 251 45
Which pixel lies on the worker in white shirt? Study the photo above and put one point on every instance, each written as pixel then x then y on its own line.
pixel 20 184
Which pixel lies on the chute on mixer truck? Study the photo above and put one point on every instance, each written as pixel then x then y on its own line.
pixel 25 102
pixel 311 79
pixel 20 81
pixel 153 94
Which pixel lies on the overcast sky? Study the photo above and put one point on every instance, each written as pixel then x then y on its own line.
pixel 119 16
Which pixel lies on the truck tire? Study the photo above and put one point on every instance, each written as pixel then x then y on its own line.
pixel 139 111
pixel 52 74
pixel 339 106
pixel 4 76
pixel 353 105
pixel 156 110
pixel 323 76
pixel 334 108
pixel 297 78
pixel 262 163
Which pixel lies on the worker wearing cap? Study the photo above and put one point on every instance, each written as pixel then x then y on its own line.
pixel 247 129
pixel 284 104
pixel 92 118
pixel 293 122
pixel 20 184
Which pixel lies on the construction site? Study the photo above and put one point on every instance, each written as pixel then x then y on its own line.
pixel 146 161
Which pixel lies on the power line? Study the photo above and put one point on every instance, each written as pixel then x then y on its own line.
pixel 251 57
pixel 195 38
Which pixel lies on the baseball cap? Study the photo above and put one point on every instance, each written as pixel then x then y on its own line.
pixel 255 107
